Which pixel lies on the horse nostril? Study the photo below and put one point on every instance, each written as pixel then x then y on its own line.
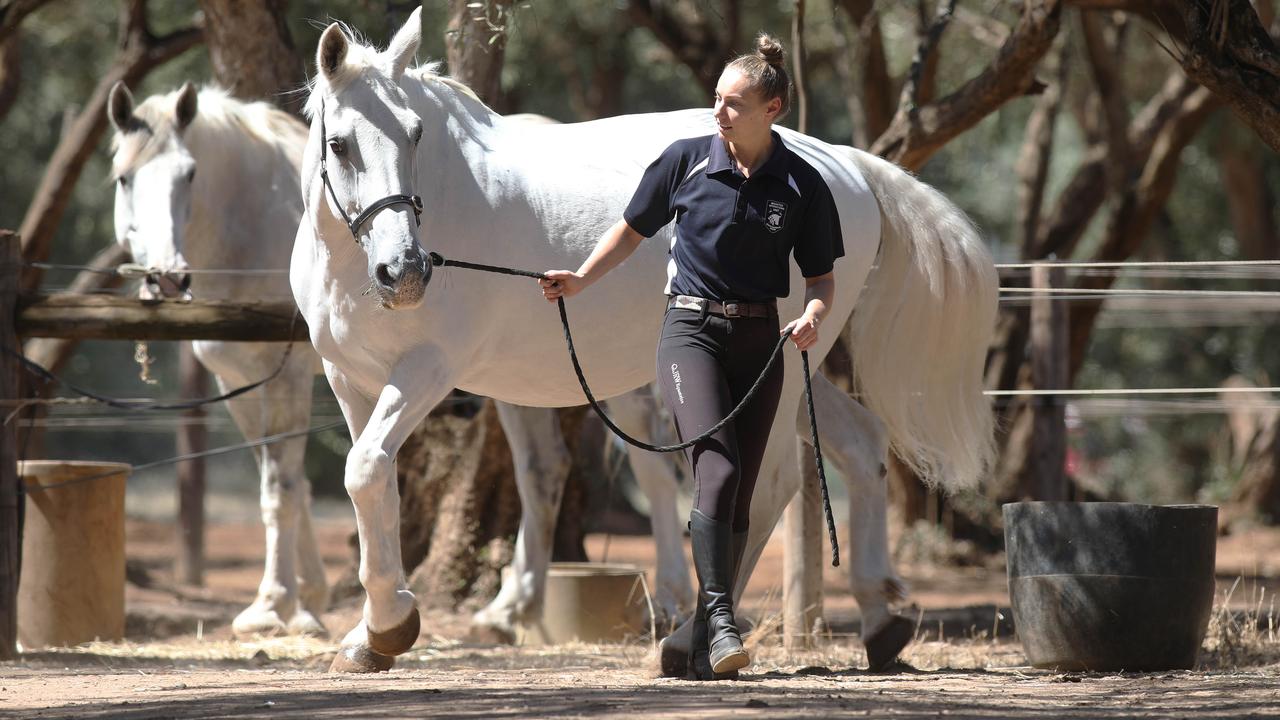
pixel 383 275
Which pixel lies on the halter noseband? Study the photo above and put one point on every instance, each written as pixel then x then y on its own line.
pixel 413 201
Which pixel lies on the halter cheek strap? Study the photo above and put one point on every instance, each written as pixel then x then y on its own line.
pixel 413 201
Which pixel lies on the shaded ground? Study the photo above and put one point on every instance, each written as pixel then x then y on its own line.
pixel 969 675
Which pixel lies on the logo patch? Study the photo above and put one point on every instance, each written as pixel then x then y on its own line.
pixel 775 215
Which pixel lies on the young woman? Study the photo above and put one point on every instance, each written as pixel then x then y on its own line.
pixel 743 204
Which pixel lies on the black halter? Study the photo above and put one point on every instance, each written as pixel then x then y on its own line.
pixel 413 201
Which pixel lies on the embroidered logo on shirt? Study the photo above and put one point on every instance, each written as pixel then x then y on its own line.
pixel 775 215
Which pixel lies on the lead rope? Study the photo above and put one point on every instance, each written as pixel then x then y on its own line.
pixel 438 260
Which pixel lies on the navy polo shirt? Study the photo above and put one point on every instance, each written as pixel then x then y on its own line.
pixel 733 234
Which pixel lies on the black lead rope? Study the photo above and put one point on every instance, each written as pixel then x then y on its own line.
pixel 438 260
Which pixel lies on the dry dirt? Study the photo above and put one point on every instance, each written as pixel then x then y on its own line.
pixel 181 662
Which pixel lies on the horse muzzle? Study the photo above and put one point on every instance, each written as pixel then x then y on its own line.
pixel 168 285
pixel 401 283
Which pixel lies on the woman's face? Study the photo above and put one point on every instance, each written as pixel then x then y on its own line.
pixel 743 116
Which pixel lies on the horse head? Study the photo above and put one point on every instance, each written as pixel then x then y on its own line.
pixel 154 177
pixel 364 138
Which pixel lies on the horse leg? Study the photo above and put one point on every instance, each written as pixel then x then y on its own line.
pixel 541 466
pixel 296 384
pixel 638 415
pixel 390 621
pixel 856 443
pixel 280 475
pixel 313 588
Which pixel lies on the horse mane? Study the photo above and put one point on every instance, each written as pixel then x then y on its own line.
pixel 219 117
pixel 362 57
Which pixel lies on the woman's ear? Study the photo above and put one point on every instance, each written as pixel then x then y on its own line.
pixel 773 107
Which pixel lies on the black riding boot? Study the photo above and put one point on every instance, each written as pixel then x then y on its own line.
pixel 699 664
pixel 713 559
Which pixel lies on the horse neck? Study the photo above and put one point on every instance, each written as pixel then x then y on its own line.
pixel 248 202
pixel 457 151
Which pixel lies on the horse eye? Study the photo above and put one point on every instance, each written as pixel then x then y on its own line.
pixel 191 175
pixel 337 147
pixel 124 181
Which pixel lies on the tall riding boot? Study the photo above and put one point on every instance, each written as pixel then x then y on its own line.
pixel 699 663
pixel 713 559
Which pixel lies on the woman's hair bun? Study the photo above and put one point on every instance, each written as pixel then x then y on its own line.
pixel 770 49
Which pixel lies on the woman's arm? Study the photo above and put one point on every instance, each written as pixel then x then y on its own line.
pixel 818 293
pixel 616 245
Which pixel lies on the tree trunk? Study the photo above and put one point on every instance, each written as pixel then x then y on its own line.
pixel 1244 183
pixel 459 507
pixel 252 52
pixel 476 42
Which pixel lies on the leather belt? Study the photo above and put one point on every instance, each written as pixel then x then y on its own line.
pixel 729 309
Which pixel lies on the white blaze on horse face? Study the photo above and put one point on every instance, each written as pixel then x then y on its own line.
pixel 153 207
pixel 370 143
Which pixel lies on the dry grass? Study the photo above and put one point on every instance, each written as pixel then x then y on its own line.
pixel 1236 638
pixel 1247 638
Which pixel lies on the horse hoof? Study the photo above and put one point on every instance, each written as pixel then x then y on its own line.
pixel 884 645
pixel 399 638
pixel 491 635
pixel 360 659
pixel 257 621
pixel 305 624
pixel 673 661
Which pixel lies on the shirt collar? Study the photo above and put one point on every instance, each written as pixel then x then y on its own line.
pixel 776 165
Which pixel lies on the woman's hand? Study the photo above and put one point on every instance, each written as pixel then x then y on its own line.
pixel 560 283
pixel 803 331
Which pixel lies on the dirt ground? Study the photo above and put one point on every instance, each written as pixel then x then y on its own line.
pixel 180 661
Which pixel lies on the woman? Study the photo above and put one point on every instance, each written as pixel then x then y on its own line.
pixel 743 202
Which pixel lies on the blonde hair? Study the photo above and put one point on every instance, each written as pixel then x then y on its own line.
pixel 765 69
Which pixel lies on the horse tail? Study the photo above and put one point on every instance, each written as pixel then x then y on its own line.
pixel 922 327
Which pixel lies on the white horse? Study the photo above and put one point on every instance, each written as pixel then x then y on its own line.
pixel 394 343
pixel 234 214
pixel 240 212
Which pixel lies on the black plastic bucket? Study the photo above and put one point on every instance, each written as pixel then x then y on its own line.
pixel 1110 586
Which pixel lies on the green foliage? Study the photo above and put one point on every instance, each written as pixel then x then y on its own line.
pixel 560 51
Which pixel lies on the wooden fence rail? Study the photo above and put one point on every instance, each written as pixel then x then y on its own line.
pixel 112 317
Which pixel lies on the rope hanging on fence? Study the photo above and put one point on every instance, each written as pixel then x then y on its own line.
pixel 441 261
pixel 145 405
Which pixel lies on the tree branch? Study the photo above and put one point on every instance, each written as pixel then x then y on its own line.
pixel 13 12
pixel 1102 68
pixel 913 137
pixel 1237 60
pixel 1133 216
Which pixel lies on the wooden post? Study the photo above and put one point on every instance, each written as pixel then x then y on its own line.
pixel 803 556
pixel 1046 479
pixel 10 532
pixel 192 438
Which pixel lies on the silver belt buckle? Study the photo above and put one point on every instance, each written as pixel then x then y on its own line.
pixel 731 309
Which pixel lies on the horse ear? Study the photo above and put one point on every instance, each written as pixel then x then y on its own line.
pixel 332 52
pixel 184 110
pixel 404 46
pixel 120 106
